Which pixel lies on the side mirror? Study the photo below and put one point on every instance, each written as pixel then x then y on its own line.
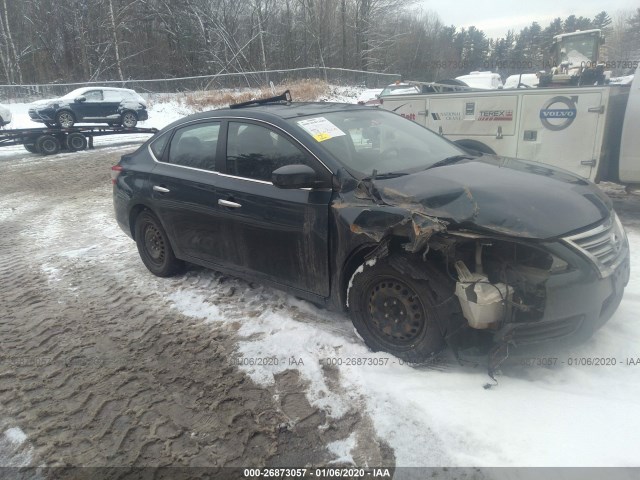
pixel 295 176
pixel 80 99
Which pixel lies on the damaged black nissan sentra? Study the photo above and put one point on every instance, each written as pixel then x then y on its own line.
pixel 361 210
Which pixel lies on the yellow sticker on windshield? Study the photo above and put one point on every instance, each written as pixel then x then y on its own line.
pixel 322 136
pixel 320 128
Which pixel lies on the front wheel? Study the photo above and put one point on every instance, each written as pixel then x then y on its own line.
pixel 129 119
pixel 396 313
pixel 154 247
pixel 65 119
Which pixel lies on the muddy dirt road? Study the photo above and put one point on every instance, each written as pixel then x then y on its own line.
pixel 97 367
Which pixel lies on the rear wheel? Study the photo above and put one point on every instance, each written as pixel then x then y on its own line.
pixel 48 145
pixel 396 313
pixel 76 142
pixel 129 119
pixel 153 246
pixel 65 119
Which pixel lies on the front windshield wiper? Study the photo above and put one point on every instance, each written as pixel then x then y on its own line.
pixel 383 176
pixel 450 161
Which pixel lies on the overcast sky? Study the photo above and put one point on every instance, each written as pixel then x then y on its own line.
pixel 497 17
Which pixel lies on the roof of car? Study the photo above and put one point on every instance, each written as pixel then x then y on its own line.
pixel 281 110
pixel 115 89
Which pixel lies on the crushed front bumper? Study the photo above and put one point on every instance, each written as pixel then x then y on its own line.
pixel 578 302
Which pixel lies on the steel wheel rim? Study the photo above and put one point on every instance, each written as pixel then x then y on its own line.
pixel 65 119
pixel 154 244
pixel 397 316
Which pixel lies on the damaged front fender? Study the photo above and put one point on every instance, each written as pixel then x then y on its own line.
pixel 380 222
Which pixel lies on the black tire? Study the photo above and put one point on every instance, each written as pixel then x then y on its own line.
pixel 76 142
pixel 65 119
pixel 48 145
pixel 31 147
pixel 396 313
pixel 129 119
pixel 154 247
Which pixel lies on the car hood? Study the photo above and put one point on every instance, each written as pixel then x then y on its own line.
pixel 46 101
pixel 502 195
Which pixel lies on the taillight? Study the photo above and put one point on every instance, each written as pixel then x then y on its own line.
pixel 115 171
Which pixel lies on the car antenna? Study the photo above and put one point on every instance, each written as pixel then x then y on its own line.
pixel 285 97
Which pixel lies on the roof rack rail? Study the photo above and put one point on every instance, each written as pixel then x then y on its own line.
pixel 285 97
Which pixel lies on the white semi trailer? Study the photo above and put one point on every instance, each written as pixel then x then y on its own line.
pixel 593 131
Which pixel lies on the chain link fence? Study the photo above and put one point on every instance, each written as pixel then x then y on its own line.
pixel 333 76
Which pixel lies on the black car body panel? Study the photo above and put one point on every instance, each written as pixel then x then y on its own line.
pixel 310 241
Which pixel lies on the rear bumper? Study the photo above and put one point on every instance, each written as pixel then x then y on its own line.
pixel 143 115
pixel 578 303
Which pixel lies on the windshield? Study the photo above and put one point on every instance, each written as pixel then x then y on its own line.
pixel 367 140
pixel 579 50
pixel 74 93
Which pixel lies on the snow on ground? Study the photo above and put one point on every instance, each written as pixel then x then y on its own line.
pixel 565 416
pixel 15 450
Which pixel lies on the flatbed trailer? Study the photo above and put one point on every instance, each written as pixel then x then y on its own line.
pixel 49 141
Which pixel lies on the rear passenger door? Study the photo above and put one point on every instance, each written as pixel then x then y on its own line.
pixel 184 190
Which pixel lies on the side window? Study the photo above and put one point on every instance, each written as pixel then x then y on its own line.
pixel 254 151
pixel 157 146
pixel 195 146
pixel 113 96
pixel 93 95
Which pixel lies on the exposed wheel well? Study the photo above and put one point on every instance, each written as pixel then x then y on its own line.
pixel 355 259
pixel 393 245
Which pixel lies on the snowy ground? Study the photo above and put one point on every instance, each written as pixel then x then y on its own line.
pixel 73 285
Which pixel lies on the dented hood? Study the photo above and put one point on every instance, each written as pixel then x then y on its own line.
pixel 502 195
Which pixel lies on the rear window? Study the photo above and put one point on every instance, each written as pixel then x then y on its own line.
pixel 157 146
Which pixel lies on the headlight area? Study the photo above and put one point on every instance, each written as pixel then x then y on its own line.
pixel 530 295
pixel 500 281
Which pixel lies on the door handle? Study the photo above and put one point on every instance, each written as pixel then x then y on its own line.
pixel 160 189
pixel 227 203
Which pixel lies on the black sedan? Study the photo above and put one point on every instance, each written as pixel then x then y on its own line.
pixel 361 210
pixel 114 106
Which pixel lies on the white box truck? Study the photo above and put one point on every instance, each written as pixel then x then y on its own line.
pixel 592 131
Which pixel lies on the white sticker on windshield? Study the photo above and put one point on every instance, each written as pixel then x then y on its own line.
pixel 320 128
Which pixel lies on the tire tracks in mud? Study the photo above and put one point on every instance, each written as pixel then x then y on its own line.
pixel 98 369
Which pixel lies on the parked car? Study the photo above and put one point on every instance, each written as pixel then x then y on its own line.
pixel 114 106
pixel 5 116
pixel 361 210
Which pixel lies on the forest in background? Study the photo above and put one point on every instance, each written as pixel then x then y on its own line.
pixel 53 41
